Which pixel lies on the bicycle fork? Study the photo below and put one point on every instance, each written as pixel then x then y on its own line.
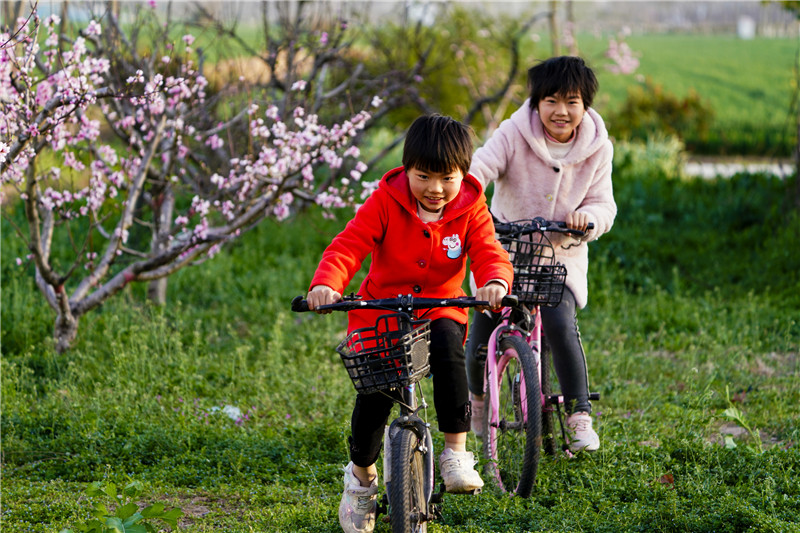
pixel 409 420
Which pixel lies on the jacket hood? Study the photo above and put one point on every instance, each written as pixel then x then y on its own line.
pixel 395 183
pixel 591 137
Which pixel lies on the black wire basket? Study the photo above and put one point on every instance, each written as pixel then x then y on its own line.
pixel 391 355
pixel 538 279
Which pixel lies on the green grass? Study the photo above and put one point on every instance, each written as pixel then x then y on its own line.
pixel 693 310
pixel 747 83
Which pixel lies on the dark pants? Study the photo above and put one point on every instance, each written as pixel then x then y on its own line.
pixel 450 395
pixel 560 326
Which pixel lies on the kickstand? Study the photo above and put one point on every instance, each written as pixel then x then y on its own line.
pixel 436 497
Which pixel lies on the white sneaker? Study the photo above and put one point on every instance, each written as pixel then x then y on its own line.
pixel 458 471
pixel 477 416
pixel 580 434
pixel 359 504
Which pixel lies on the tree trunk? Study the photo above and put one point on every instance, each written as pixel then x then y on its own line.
pixel 796 199
pixel 163 208
pixel 65 329
pixel 11 12
pixel 554 33
pixel 573 30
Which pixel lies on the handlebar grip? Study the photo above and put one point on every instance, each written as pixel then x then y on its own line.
pixel 588 226
pixel 299 305
pixel 510 300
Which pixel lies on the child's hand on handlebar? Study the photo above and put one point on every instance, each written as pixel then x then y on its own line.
pixel 577 220
pixel 322 295
pixel 492 292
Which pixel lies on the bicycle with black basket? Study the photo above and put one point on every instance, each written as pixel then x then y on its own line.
pixel 391 358
pixel 518 417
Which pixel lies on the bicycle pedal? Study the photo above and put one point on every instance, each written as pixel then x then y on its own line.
pixel 435 513
pixel 482 353
pixel 383 505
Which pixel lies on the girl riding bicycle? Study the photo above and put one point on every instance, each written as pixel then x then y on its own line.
pixel 420 226
pixel 552 159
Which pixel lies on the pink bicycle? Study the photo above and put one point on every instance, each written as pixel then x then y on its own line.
pixel 519 403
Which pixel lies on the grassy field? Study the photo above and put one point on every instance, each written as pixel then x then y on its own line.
pixel 748 84
pixel 692 335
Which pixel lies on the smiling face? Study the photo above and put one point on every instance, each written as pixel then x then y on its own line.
pixel 561 114
pixel 434 190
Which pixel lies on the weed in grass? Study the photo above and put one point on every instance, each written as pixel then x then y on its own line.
pixel 733 413
pixel 125 514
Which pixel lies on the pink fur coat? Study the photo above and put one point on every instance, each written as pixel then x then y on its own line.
pixel 529 182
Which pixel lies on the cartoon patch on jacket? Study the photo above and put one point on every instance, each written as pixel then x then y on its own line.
pixel 453 246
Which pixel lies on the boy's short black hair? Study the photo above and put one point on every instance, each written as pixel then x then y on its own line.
pixel 563 75
pixel 438 143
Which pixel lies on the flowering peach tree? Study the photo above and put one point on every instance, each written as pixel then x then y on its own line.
pixel 125 170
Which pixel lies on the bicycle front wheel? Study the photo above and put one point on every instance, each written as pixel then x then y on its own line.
pixel 408 502
pixel 512 436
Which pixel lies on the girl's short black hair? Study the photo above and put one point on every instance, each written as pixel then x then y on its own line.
pixel 563 75
pixel 438 143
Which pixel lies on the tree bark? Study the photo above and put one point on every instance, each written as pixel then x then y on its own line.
pixel 66 325
pixel 163 210
pixel 554 32
pixel 797 163
pixel 11 12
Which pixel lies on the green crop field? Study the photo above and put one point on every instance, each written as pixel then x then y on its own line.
pixel 748 84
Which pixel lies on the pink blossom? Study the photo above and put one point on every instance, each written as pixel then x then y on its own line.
pixel 93 28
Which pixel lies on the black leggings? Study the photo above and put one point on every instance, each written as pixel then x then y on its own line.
pixel 560 326
pixel 450 395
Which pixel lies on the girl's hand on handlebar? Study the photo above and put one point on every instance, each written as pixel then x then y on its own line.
pixel 577 220
pixel 492 292
pixel 322 295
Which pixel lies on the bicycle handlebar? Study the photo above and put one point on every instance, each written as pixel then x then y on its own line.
pixel 525 227
pixel 404 303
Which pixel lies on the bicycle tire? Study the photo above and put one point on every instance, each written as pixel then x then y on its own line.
pixel 548 426
pixel 408 504
pixel 512 437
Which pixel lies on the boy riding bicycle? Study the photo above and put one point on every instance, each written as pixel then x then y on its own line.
pixel 421 224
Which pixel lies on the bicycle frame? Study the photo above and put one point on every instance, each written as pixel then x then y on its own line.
pixel 507 328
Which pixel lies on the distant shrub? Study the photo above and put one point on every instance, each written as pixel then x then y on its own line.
pixel 649 109
pixel 659 156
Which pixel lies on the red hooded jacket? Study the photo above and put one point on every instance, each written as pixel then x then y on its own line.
pixel 410 256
